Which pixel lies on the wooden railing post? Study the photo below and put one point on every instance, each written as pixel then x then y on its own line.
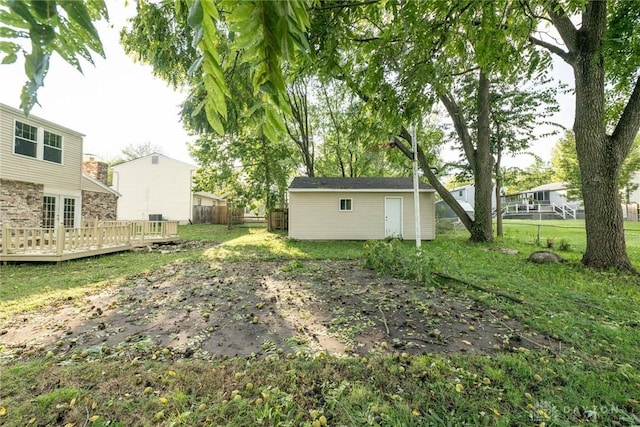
pixel 6 238
pixel 98 232
pixel 61 236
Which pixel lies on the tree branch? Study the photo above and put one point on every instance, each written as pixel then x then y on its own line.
pixel 563 24
pixel 566 56
pixel 345 5
pixel 432 178
pixel 629 123
pixel 460 124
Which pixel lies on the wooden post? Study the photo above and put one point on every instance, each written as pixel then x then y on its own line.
pixel 99 236
pixel 61 236
pixel 6 239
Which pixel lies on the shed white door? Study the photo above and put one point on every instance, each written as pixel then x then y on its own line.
pixel 393 216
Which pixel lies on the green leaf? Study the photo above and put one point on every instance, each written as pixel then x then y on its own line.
pixel 20 8
pixel 42 34
pixel 10 49
pixel 10 33
pixel 36 66
pixel 45 9
pixel 213 117
pixel 195 15
pixel 77 12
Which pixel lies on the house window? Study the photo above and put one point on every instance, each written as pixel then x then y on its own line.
pixel 154 160
pixel 69 212
pixel 52 147
pixel 26 140
pixel 345 205
pixel 199 201
pixel 48 212
pixel 37 143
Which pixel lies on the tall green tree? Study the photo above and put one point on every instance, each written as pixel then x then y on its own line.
pixel 402 57
pixel 299 123
pixel 602 48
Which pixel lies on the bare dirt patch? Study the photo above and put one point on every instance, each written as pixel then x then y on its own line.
pixel 256 309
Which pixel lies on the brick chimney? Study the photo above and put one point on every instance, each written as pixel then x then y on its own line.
pixel 95 169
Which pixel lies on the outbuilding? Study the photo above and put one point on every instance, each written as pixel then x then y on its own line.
pixel 358 209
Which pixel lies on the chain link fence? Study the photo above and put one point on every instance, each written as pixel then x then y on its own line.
pixel 557 234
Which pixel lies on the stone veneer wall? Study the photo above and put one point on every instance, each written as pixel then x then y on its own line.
pixel 96 170
pixel 21 203
pixel 99 206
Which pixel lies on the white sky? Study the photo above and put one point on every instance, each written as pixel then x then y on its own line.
pixel 116 103
pixel 119 102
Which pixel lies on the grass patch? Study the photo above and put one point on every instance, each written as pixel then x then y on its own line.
pixel 594 379
pixel 424 390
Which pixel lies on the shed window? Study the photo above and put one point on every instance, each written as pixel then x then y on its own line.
pixel 345 204
pixel 154 160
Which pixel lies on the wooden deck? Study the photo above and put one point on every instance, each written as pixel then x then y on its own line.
pixel 61 244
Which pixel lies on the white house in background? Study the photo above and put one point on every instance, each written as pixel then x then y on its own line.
pixel 554 193
pixel 466 193
pixel 157 187
pixel 358 209
pixel 634 196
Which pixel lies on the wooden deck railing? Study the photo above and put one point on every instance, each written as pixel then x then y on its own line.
pixel 55 244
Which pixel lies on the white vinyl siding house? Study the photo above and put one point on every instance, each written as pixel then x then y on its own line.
pixel 154 185
pixel 634 196
pixel 48 158
pixel 358 209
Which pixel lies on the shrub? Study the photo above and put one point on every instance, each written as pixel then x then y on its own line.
pixel 393 258
pixel 564 245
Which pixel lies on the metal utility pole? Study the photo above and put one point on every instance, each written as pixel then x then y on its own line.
pixel 416 187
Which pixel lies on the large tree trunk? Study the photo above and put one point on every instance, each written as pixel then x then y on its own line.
pixel 482 230
pixel 599 157
pixel 600 163
pixel 478 155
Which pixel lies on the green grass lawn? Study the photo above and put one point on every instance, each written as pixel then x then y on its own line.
pixel 593 380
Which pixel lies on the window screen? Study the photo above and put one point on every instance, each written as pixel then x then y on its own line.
pixel 26 140
pixel 52 147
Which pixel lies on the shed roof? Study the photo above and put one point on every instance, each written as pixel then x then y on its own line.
pixel 303 183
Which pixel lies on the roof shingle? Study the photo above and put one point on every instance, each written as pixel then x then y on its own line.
pixel 368 183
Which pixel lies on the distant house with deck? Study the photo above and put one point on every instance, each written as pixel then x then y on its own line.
pixel 544 201
pixel 358 209
pixel 42 180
